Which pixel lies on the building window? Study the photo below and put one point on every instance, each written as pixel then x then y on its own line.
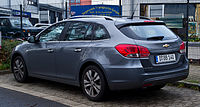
pixel 72 1
pixel 78 1
pixel 156 10
pixel 32 2
pixel 174 15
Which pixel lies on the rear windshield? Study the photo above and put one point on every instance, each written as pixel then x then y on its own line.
pixel 144 32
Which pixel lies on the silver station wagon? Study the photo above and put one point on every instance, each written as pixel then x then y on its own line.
pixel 100 53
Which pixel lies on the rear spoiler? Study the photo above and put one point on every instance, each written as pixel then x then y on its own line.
pixel 141 23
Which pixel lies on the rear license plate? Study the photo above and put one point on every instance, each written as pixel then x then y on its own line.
pixel 165 58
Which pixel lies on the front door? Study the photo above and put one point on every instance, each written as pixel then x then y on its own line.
pixel 41 55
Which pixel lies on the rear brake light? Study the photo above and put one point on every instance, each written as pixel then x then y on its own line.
pixel 149 21
pixel 147 85
pixel 132 51
pixel 182 47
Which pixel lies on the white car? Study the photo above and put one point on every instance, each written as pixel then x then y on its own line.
pixel 42 25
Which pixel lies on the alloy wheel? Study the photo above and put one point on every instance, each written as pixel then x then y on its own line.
pixel 18 69
pixel 92 83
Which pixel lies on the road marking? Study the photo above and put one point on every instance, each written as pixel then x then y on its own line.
pixel 45 96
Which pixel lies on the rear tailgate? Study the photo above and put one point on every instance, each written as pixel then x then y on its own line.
pixel 157 48
pixel 162 43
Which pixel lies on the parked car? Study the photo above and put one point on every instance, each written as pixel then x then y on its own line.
pixel 10 27
pixel 103 53
pixel 42 25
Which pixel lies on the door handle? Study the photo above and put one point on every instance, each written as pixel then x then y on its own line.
pixel 50 50
pixel 78 50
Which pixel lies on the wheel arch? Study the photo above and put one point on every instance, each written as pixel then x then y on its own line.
pixel 91 62
pixel 14 55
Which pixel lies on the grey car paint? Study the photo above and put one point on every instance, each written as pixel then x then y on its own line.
pixel 64 63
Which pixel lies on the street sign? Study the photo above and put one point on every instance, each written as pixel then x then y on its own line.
pixel 24 14
pixel 0 39
pixel 104 10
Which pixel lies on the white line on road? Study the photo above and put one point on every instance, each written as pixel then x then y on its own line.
pixel 45 96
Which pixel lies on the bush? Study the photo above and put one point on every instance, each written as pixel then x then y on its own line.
pixel 5 52
pixel 194 38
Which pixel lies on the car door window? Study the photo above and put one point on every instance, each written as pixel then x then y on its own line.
pixel 77 31
pixel 1 20
pixel 100 33
pixel 53 33
pixel 88 35
pixel 4 22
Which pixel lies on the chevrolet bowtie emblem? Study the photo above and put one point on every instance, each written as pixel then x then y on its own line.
pixel 166 45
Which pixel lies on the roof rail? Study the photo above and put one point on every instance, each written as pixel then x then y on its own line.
pixel 141 17
pixel 120 16
pixel 92 16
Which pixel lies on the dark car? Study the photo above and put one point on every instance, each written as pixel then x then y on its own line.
pixel 103 53
pixel 10 27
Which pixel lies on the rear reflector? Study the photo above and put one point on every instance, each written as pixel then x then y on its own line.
pixel 147 85
pixel 182 47
pixel 132 51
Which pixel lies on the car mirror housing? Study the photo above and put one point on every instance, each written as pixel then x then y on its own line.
pixel 32 39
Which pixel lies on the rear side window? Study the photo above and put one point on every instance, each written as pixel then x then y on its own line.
pixel 77 31
pixel 88 35
pixel 100 33
pixel 145 32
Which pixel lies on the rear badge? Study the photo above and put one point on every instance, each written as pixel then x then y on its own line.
pixel 165 45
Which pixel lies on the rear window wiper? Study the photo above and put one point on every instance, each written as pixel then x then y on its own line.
pixel 155 38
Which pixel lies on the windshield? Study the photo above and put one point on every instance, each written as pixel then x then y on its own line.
pixel 143 32
pixel 16 22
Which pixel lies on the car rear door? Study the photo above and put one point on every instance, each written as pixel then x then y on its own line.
pixel 72 49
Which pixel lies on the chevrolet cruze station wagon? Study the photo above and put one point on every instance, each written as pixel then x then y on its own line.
pixel 100 53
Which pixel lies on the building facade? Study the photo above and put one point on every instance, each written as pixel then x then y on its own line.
pixel 50 14
pixel 79 2
pixel 38 11
pixel 172 12
pixel 105 2
pixel 12 7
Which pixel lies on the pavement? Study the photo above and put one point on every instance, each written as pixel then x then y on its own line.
pixel 194 74
pixel 72 96
pixel 193 79
pixel 10 98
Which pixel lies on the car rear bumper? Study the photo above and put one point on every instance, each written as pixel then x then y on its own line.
pixel 121 78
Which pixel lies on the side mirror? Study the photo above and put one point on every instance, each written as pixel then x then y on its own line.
pixel 31 39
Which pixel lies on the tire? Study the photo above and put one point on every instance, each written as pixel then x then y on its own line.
pixel 156 87
pixel 19 69
pixel 93 83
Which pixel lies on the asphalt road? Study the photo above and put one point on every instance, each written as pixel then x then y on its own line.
pixel 66 94
pixel 10 98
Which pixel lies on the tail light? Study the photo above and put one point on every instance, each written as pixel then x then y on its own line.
pixel 182 47
pixel 132 51
pixel 149 21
